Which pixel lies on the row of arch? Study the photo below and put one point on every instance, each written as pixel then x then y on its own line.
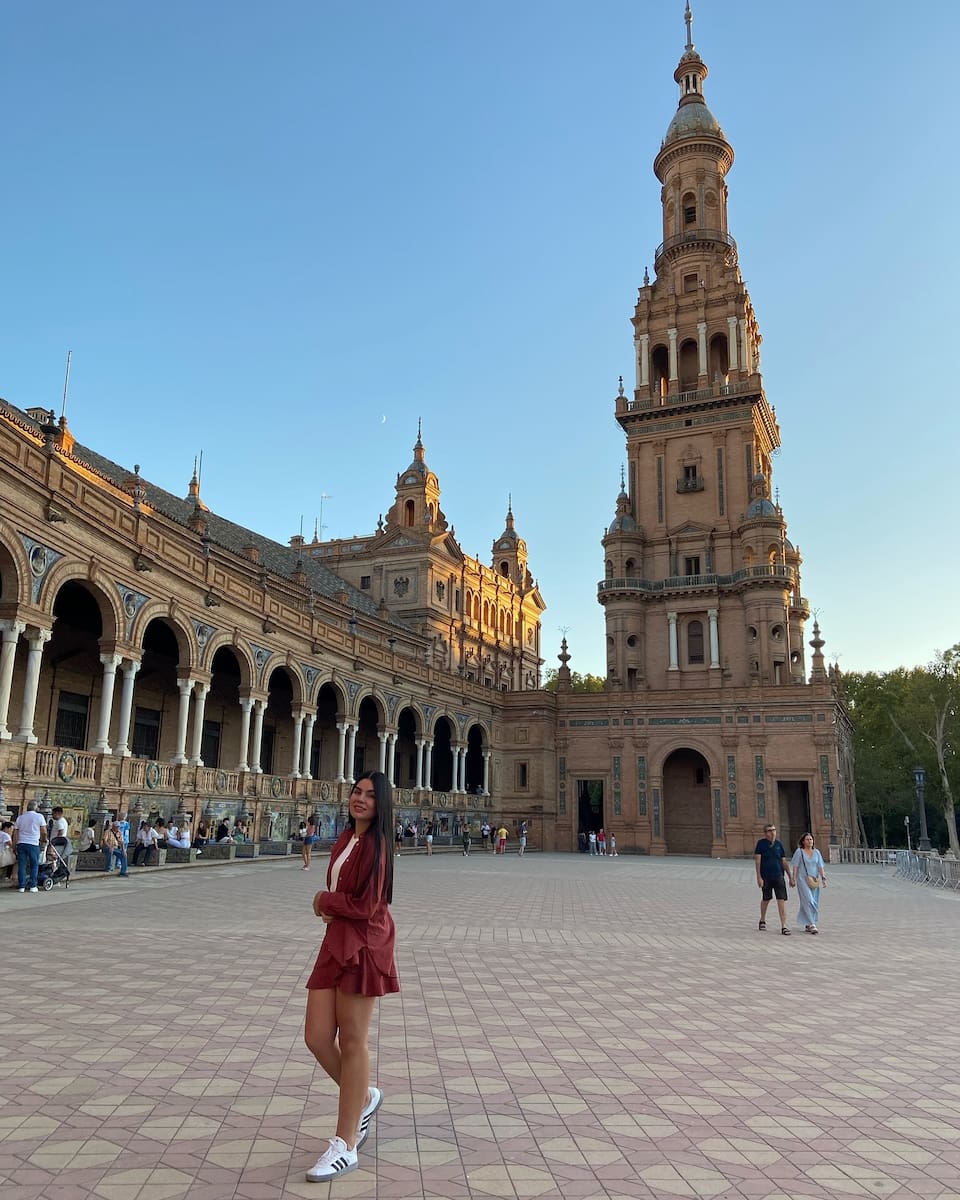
pixel 192 694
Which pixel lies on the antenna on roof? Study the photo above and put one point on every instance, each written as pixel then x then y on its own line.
pixel 200 471
pixel 320 524
pixel 66 384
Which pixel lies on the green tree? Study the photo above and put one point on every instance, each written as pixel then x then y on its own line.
pixel 905 719
pixel 578 682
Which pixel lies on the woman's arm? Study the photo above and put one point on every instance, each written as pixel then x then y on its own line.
pixel 349 904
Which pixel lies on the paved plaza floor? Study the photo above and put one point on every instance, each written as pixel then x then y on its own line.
pixel 568 1027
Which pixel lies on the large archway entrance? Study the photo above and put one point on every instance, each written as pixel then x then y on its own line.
pixel 687 820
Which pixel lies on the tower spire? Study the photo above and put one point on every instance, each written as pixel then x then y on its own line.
pixel 688 19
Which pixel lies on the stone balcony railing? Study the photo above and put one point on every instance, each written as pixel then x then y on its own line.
pixel 781 572
pixel 74 777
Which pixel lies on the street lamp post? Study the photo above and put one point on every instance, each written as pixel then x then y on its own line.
pixel 919 780
pixel 906 825
pixel 828 797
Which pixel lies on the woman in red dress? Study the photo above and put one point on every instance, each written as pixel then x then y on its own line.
pixel 355 966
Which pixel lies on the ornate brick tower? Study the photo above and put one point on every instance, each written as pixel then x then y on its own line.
pixel 701 587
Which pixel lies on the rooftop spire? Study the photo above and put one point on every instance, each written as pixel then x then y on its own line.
pixel 688 19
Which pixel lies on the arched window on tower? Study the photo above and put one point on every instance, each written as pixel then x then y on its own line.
pixel 695 642
pixel 689 206
pixel 409 512
pixel 660 368
pixel 608 569
pixel 689 366
pixel 505 569
pixel 718 365
pixel 629 568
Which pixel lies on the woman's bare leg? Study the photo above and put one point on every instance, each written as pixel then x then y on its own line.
pixel 353 1015
pixel 320 1030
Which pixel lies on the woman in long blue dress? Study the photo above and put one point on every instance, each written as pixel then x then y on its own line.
pixel 807 865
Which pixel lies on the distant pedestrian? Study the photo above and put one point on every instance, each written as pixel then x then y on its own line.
pixel 523 838
pixel 592 838
pixel 601 842
pixel 465 837
pixel 613 846
pixel 310 839
pixel 502 835
pixel 429 838
pixel 582 841
pixel 398 838
pixel 113 849
pixel 485 834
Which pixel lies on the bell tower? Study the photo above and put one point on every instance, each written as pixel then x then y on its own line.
pixel 711 595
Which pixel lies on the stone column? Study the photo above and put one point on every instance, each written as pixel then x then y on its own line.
pixel 732 344
pixel 747 360
pixel 341 749
pixel 129 668
pixel 309 722
pixel 202 690
pixel 672 335
pixel 713 615
pixel 674 655
pixel 110 663
pixel 185 687
pixel 351 752
pixel 259 708
pixel 35 642
pixel 418 786
pixel 382 735
pixel 486 772
pixel 392 758
pixel 11 631
pixel 461 768
pixel 702 349
pixel 644 360
pixel 297 743
pixel 428 766
pixel 246 704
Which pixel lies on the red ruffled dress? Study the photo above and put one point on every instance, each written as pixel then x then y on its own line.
pixel 357 954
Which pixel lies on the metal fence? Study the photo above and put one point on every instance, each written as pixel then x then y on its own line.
pixel 928 868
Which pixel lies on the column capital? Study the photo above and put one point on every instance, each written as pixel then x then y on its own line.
pixel 111 659
pixel 11 629
pixel 39 637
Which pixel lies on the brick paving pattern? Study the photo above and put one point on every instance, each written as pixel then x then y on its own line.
pixel 569 1027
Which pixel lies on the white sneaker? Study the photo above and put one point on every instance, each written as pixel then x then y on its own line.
pixel 34 889
pixel 21 889
pixel 366 1115
pixel 336 1160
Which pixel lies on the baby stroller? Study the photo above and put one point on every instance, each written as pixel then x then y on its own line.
pixel 54 868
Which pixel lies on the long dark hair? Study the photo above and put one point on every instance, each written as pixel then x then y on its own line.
pixel 381 829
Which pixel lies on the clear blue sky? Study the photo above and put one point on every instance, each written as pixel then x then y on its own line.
pixel 282 233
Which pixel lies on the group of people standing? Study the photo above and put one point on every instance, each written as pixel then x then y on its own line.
pixel 598 843
pixel 804 871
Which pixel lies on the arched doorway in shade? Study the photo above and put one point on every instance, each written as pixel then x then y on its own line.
pixel 687 819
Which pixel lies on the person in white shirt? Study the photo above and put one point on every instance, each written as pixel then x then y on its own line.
pixel 59 826
pixel 179 839
pixel 88 839
pixel 147 838
pixel 8 856
pixel 30 833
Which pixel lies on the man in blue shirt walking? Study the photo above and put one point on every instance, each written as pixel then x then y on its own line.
pixel 773 866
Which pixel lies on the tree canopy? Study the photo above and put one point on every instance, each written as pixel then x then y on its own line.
pixel 578 682
pixel 905 719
